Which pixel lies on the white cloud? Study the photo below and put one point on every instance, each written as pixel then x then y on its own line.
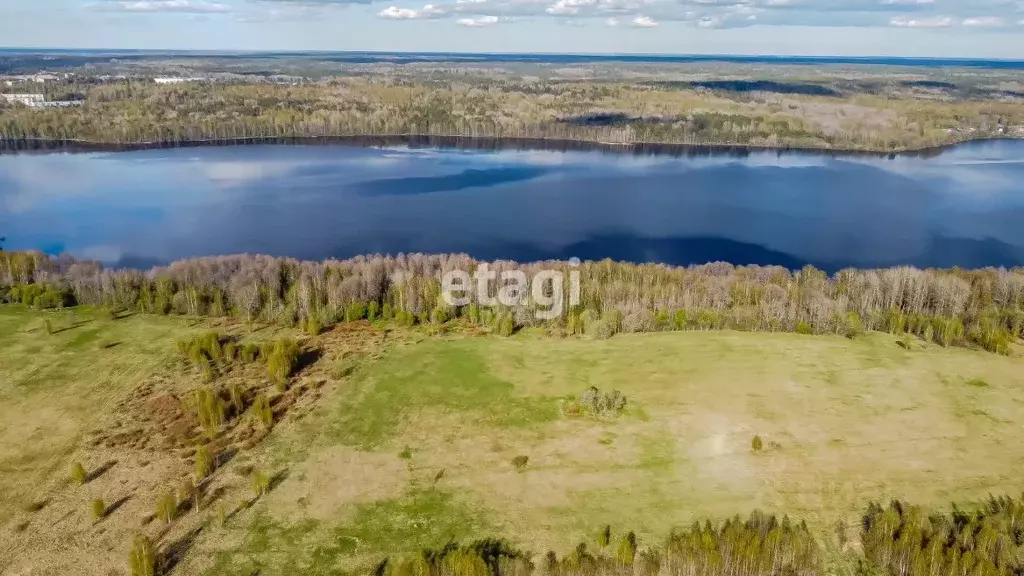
pixel 477 22
pixel 567 7
pixel 153 6
pixel 396 13
pixel 717 14
pixel 933 22
pixel 984 21
pixel 643 22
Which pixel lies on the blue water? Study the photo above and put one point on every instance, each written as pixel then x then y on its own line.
pixel 963 207
pixel 412 57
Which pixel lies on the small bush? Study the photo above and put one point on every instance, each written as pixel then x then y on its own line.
pixel 440 314
pixel 604 537
pixel 166 507
pixel 99 509
pixel 210 410
pixel 506 325
pixel 642 321
pixel 142 558
pixel 756 444
pixel 977 383
pixel 804 328
pixel 406 453
pixel 355 311
pixel 403 318
pixel 48 326
pixel 601 329
pixel 237 398
pixel 626 552
pixel 281 361
pixel 593 402
pixel 204 463
pixel 312 326
pixel 260 483
pixel 262 411
pixel 78 474
pixel 249 353
pixel 520 461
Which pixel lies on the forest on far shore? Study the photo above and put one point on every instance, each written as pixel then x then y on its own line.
pixel 754 114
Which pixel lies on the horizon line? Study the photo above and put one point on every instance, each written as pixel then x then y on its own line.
pixel 213 51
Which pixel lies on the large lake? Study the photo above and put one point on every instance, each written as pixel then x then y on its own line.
pixel 963 207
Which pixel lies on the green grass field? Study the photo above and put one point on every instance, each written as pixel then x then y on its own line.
pixel 411 443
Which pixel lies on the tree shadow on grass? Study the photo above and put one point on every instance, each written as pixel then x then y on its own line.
pixel 173 553
pixel 72 326
pixel 116 505
pixel 101 470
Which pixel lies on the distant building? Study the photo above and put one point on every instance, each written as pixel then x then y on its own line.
pixel 175 80
pixel 39 101
pixel 26 99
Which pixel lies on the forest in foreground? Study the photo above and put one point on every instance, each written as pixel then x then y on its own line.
pixel 749 113
pixel 976 308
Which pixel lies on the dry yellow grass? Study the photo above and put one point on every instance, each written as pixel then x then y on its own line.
pixel 412 442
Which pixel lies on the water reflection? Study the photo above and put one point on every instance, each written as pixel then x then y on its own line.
pixel 962 207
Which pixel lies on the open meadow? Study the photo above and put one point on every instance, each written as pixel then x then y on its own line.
pixel 387 440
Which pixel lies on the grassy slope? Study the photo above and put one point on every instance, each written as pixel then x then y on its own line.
pixel 853 421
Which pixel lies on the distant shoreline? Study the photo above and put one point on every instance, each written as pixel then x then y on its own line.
pixel 9 146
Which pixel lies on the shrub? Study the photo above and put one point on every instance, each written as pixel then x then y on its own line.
pixel 506 325
pixel 78 474
pixel 210 409
pixel 854 326
pixel 281 360
pixel 756 444
pixel 260 483
pixel 626 552
pixel 166 507
pixel 249 353
pixel 262 411
pixel 440 314
pixel 355 311
pixel 48 326
pixel 386 312
pixel 204 463
pixel 601 329
pixel 593 402
pixel 237 398
pixel 977 383
pixel 99 509
pixel 406 453
pixel 142 558
pixel 679 320
pixel 804 328
pixel 520 461
pixel 404 318
pixel 188 492
pixel 312 326
pixel 373 311
pixel 642 321
pixel 604 537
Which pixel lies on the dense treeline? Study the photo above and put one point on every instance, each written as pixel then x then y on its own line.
pixel 904 540
pixel 899 540
pixel 134 112
pixel 983 308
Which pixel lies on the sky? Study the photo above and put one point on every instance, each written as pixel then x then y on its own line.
pixel 936 28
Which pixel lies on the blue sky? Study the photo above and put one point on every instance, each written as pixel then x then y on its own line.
pixel 941 28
